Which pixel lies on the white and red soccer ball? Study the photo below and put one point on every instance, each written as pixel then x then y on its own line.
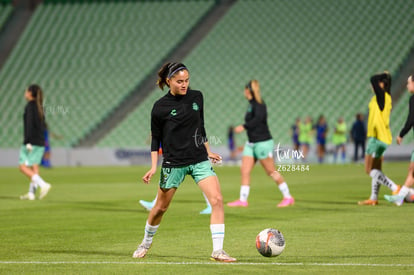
pixel 270 242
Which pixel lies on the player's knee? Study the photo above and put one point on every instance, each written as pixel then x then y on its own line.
pixel 275 175
pixel 411 170
pixel 368 169
pixel 216 201
pixel 160 209
pixel 244 172
pixel 21 167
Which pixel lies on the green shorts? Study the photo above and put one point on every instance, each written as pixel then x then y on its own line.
pixel 33 157
pixel 173 177
pixel 412 156
pixel 259 150
pixel 375 147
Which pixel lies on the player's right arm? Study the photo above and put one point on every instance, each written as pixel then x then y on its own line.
pixel 154 160
pixel 156 134
pixel 409 123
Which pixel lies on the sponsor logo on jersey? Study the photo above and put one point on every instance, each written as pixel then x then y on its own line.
pixel 195 106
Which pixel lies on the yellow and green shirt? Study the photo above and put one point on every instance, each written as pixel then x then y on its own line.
pixel 379 121
pixel 339 137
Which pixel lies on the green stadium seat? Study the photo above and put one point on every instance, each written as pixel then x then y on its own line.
pixel 5 11
pixel 311 57
pixel 89 56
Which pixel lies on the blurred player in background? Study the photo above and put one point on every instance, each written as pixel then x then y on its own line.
pixel 45 162
pixel 260 147
pixel 321 133
pixel 48 150
pixel 379 136
pixel 358 135
pixel 33 147
pixel 339 139
pixel 231 143
pixel 177 122
pixel 305 136
pixel 398 199
pixel 295 134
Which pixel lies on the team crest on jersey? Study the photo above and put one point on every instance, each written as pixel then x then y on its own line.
pixel 195 106
pixel 173 112
pixel 249 109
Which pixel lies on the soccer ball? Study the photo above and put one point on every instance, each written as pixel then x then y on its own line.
pixel 410 195
pixel 270 242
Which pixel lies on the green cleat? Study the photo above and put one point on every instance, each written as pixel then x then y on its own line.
pixel 397 199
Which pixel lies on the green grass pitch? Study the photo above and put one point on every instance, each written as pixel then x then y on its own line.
pixel 91 222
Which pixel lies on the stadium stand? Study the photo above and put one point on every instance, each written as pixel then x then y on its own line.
pixel 87 57
pixel 311 57
pixel 5 11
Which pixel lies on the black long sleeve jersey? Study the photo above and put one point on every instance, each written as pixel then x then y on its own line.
pixel 34 126
pixel 177 123
pixel 409 123
pixel 256 122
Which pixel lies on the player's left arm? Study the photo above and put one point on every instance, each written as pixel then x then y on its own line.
pixel 379 92
pixel 202 128
pixel 213 156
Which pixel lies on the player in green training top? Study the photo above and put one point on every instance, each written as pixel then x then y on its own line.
pixel 339 139
pixel 305 136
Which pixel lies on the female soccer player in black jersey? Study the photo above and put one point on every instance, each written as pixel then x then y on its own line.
pixel 33 146
pixel 259 147
pixel 177 122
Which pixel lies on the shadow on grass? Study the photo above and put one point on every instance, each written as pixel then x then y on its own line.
pixel 127 255
pixel 82 252
pixel 102 206
pixel 14 198
pixel 328 202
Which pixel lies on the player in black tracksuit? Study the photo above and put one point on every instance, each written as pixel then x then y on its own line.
pixel 177 122
pixel 172 119
pixel 409 124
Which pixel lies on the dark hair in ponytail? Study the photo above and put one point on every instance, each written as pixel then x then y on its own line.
pixel 37 94
pixel 387 82
pixel 168 70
